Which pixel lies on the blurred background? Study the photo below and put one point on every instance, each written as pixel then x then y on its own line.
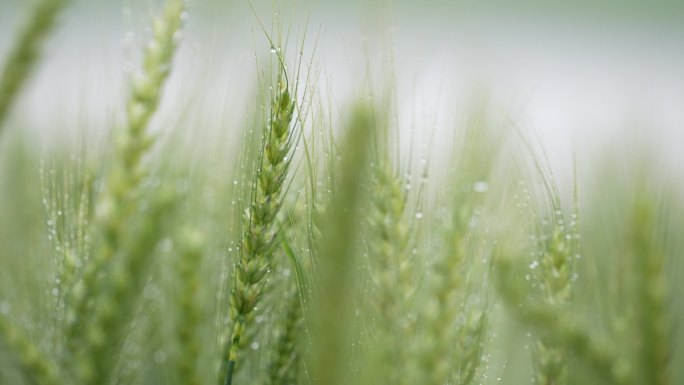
pixel 582 72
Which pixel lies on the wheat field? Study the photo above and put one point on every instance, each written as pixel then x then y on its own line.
pixel 200 207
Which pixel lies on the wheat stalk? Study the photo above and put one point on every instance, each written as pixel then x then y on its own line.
pixel 651 296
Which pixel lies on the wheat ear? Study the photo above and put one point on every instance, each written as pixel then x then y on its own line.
pixel 26 50
pixel 392 272
pixel 116 205
pixel 36 365
pixel 187 325
pixel 260 223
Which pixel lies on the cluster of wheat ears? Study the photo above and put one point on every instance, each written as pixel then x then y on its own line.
pixel 320 257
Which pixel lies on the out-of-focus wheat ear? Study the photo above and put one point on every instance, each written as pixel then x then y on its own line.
pixel 470 345
pixel 187 323
pixel 285 360
pixel 651 292
pixel 116 204
pixel 392 273
pixel 26 51
pixel 561 329
pixel 444 297
pixel 333 313
pixel 117 292
pixel 555 270
pixel 438 312
pixel 36 366
pixel 260 223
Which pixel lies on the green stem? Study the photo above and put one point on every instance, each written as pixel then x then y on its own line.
pixel 236 336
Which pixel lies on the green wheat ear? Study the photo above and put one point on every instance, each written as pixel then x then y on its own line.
pixel 261 227
pixel 187 324
pixel 26 51
pixel 101 298
pixel 117 203
pixel 36 365
pixel 445 349
pixel 284 364
pixel 392 273
pixel 560 329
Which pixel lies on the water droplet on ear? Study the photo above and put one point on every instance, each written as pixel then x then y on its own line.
pixel 159 356
pixel 4 308
pixel 481 186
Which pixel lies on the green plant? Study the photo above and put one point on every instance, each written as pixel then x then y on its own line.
pixel 26 50
pixel 326 252
pixel 260 223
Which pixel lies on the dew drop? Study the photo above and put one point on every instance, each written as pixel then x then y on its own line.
pixel 481 186
pixel 159 356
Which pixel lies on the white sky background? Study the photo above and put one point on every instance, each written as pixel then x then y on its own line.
pixel 589 79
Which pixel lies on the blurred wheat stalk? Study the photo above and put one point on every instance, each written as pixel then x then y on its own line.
pixel 26 51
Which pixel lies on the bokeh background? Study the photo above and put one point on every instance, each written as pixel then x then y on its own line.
pixel 584 72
